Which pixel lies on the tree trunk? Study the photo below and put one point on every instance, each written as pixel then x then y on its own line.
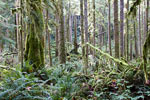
pixel 82 26
pixel 21 32
pixel 140 43
pixel 135 40
pixel 56 35
pixel 127 34
pixel 48 37
pixel 18 31
pixel 121 28
pixel 146 52
pixel 116 29
pixel 34 50
pixel 94 26
pixel 75 35
pixel 62 52
pixel 147 17
pixel 86 31
pixel 109 28
pixel 131 48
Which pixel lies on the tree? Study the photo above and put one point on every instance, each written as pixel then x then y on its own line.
pixel 121 28
pixel 147 17
pixel 75 35
pixel 34 49
pixel 116 30
pixel 18 31
pixel 109 28
pixel 127 34
pixel 48 37
pixel 140 40
pixel 56 35
pixel 86 32
pixel 94 26
pixel 135 39
pixel 62 52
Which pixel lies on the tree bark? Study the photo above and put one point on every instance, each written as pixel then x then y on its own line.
pixel 75 34
pixel 109 28
pixel 94 26
pixel 140 43
pixel 116 29
pixel 62 52
pixel 34 49
pixel 121 28
pixel 86 31
pixel 127 34
pixel 147 17
pixel 56 35
pixel 48 37
pixel 135 40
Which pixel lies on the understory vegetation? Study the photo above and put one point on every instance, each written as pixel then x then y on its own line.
pixel 68 82
pixel 74 50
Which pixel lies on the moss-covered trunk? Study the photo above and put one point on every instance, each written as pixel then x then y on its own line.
pixel 146 53
pixel 34 49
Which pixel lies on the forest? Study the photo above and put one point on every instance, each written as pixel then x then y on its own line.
pixel 74 50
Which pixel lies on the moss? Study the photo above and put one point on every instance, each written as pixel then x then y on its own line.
pixel 146 49
pixel 34 50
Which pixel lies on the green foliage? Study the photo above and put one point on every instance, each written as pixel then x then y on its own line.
pixel 17 86
pixel 68 82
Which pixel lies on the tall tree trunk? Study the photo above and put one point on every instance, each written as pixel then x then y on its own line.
pixel 21 32
pixel 70 29
pixel 82 26
pixel 143 23
pixel 116 29
pixel 18 32
pixel 86 31
pixel 121 28
pixel 48 37
pixel 140 43
pixel 56 35
pixel 62 52
pixel 34 49
pixel 147 17
pixel 69 24
pixel 127 34
pixel 131 48
pixel 135 40
pixel 94 26
pixel 109 28
pixel 75 35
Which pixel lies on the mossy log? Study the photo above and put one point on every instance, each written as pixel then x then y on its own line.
pixel 109 56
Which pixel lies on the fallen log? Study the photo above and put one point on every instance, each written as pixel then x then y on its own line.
pixel 121 62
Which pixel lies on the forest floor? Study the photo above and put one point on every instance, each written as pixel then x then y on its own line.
pixel 103 81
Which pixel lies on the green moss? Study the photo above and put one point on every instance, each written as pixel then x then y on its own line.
pixel 146 49
pixel 34 50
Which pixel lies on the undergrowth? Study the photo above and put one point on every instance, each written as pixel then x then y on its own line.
pixel 68 82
